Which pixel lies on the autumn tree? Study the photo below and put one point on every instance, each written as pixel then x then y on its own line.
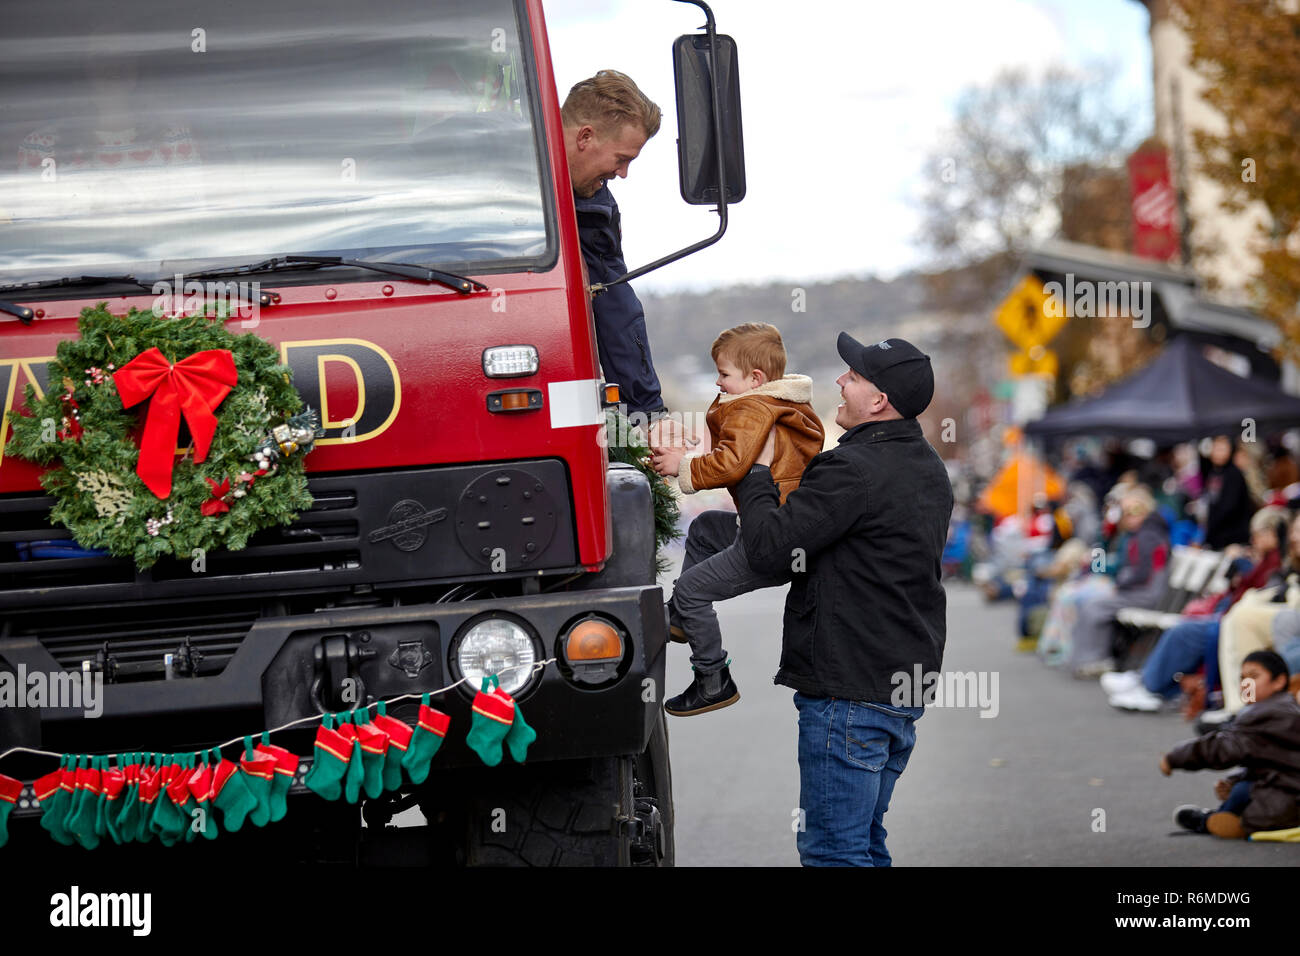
pixel 1248 51
pixel 1026 158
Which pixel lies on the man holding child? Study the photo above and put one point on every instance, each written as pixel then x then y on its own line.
pixel 860 540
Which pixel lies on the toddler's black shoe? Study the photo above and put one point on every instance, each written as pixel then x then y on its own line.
pixel 707 692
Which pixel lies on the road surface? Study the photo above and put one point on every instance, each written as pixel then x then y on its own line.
pixel 1055 778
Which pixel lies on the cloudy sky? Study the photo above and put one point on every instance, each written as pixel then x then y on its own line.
pixel 841 102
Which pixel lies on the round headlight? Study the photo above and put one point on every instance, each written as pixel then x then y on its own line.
pixel 496 646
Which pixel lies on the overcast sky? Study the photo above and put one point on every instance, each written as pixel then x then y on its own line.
pixel 841 102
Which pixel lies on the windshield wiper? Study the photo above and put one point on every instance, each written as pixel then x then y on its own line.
pixel 406 270
pixel 25 315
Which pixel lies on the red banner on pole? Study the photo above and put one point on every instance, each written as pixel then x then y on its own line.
pixel 1154 203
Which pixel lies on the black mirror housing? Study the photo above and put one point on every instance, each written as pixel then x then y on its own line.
pixel 696 147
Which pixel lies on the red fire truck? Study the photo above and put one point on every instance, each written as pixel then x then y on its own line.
pixel 385 185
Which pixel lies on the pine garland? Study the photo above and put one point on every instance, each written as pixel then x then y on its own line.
pixel 627 445
pixel 80 430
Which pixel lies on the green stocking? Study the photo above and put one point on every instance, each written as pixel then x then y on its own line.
pixel 356 776
pixel 151 781
pixel 230 793
pixel 168 820
pixel 178 792
pixel 374 752
pixel 426 738
pixel 330 761
pixel 200 785
pixel 9 790
pixel 114 784
pixel 286 767
pixel 490 723
pixel 399 741
pixel 520 734
pixel 81 821
pixel 128 814
pixel 54 791
pixel 258 770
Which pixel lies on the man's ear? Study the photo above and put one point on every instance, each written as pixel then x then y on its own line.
pixel 585 137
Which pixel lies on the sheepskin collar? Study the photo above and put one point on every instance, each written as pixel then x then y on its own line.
pixel 791 388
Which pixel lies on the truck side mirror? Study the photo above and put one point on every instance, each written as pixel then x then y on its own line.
pixel 696 130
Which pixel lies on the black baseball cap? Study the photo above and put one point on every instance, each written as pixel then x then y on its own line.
pixel 896 367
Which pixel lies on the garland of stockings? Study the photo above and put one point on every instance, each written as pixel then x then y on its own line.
pixel 136 797
pixel 108 424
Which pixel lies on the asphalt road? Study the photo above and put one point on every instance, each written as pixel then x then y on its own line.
pixel 1021 788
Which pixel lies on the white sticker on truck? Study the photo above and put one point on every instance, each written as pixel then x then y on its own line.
pixel 575 403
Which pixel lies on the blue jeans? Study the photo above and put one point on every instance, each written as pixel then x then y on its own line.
pixel 851 753
pixel 1237 799
pixel 1180 650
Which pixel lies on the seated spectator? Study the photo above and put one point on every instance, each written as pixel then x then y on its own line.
pixel 1081 509
pixel 1086 582
pixel 1265 742
pixel 1046 571
pixel 1183 648
pixel 1139 583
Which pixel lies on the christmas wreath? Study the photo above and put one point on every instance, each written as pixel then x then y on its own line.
pixel 119 399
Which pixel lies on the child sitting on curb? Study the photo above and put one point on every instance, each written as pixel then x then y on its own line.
pixel 1264 740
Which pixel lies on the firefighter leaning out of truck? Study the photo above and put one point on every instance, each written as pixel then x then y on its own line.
pixel 607 120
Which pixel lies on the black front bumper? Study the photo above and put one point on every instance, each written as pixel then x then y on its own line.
pixel 274 677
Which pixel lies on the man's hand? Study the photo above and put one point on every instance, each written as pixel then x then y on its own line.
pixel 667 461
pixel 1164 766
pixel 1222 788
pixel 769 447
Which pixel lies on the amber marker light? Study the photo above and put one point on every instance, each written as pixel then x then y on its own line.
pixel 593 648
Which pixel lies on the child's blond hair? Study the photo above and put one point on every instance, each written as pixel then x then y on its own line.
pixel 754 345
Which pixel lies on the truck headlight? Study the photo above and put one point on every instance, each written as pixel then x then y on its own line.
pixel 494 645
pixel 509 361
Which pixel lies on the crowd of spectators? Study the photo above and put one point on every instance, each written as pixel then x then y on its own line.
pixel 1107 543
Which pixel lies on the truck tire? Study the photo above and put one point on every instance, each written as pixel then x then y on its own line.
pixel 566 813
pixel 607 811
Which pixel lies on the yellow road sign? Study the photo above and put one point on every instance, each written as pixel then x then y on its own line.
pixel 1023 318
pixel 1037 361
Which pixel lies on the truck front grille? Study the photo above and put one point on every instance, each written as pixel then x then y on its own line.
pixel 363 531
pixel 137 642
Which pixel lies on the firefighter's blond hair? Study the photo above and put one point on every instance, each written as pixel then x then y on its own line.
pixel 608 100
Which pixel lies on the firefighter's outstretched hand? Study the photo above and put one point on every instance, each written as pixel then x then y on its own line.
pixel 668 433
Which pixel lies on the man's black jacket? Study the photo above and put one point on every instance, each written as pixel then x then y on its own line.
pixel 868 522
pixel 621 340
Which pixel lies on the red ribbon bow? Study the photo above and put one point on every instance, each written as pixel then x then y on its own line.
pixel 216 504
pixel 193 387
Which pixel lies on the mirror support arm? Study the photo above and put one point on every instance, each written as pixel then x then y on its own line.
pixel 711 30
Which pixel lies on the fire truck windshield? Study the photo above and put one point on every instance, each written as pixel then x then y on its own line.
pixel 151 137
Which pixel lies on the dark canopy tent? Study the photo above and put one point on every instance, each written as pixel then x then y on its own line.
pixel 1180 396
